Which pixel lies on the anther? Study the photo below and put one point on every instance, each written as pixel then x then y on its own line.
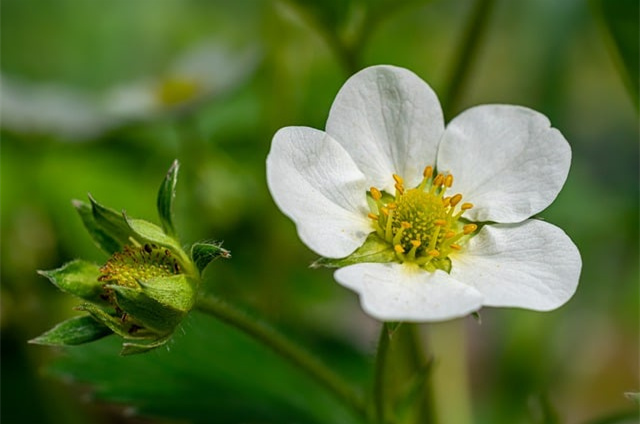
pixel 456 199
pixel 392 205
pixel 384 211
pixel 375 193
pixel 433 253
pixel 405 225
pixel 449 234
pixel 466 206
pixel 373 216
pixel 448 180
pixel 455 246
pixel 440 222
pixel 398 179
pixel 469 228
pixel 399 188
pixel 446 201
pixel 398 248
pixel 439 180
pixel 428 172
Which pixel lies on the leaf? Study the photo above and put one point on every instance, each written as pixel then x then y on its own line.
pixel 74 331
pixel 210 370
pixel 105 242
pixel 114 323
pixel 203 253
pixel 374 249
pixel 166 194
pixel 79 278
pixel 620 21
pixel 112 223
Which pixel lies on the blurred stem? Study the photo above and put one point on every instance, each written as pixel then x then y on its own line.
pixel 402 377
pixel 449 373
pixel 380 366
pixel 280 344
pixel 466 52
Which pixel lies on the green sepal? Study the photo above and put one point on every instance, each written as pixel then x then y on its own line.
pixel 79 278
pixel 116 324
pixel 150 313
pixel 129 348
pixel 103 240
pixel 74 331
pixel 374 249
pixel 202 253
pixel 112 223
pixel 166 194
pixel 146 232
pixel 177 292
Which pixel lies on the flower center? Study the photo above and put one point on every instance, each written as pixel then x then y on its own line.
pixel 135 264
pixel 422 224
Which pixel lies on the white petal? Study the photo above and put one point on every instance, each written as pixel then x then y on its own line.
pixel 400 292
pixel 315 183
pixel 506 160
pixel 390 121
pixel 532 265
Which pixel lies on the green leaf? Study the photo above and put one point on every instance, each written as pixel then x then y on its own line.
pixel 203 253
pixel 74 331
pixel 214 371
pixel 374 249
pixel 177 292
pixel 79 278
pixel 105 242
pixel 149 312
pixel 166 194
pixel 112 223
pixel 620 23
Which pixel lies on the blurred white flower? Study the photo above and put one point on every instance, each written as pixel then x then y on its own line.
pixel 205 71
pixel 377 189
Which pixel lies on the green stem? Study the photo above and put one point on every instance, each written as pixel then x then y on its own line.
pixel 380 367
pixel 449 373
pixel 428 411
pixel 280 344
pixel 462 62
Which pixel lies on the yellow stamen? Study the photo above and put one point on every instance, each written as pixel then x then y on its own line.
pixel 466 206
pixel 448 180
pixel 455 246
pixel 438 181
pixel 428 172
pixel 375 193
pixel 446 201
pixel 373 216
pixel 440 222
pixel 399 188
pixel 433 253
pixel 398 248
pixel 398 179
pixel 456 199
pixel 469 228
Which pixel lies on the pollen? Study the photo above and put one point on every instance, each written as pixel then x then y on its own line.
pixel 423 225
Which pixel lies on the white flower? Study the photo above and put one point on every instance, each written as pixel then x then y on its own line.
pixel 383 188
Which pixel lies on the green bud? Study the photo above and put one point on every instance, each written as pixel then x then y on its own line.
pixel 146 287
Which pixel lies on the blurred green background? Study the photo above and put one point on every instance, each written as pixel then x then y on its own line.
pixel 101 96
